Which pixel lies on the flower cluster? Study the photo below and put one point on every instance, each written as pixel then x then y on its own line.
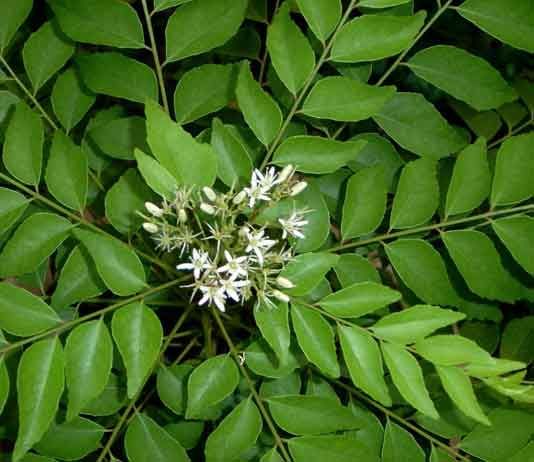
pixel 225 241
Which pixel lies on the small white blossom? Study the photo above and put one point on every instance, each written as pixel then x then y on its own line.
pixel 284 283
pixel 232 287
pixel 150 228
pixel 153 209
pixel 293 225
pixel 200 261
pixel 258 243
pixel 213 294
pixel 298 188
pixel 235 267
pixel 255 194
pixel 268 180
pixel 207 208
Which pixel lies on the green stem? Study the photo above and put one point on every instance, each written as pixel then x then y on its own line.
pixel 513 132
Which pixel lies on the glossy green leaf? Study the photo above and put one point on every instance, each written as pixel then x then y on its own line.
pixel 291 53
pixel 40 381
pixel 318 228
pixel 12 206
pixel 273 323
pixel 341 448
pixel 171 386
pixel 374 37
pixel 14 13
pixel 138 335
pixel 111 400
pixel 291 384
pixel 516 234
pixel 364 362
pixel 307 270
pixel 4 385
pixel 517 341
pixel 321 15
pixel 117 265
pixel 452 350
pixel 216 21
pixel 400 445
pixel 187 433
pixel 262 361
pixel 160 5
pixel 155 175
pixel 32 242
pixel 353 268
pixel 382 3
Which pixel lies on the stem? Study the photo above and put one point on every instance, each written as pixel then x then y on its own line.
pixel 157 62
pixel 263 61
pixel 513 132
pixel 250 383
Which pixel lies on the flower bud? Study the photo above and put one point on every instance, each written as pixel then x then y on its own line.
pixel 207 208
pixel 182 216
pixel 284 283
pixel 298 188
pixel 239 197
pixel 280 296
pixel 153 209
pixel 209 193
pixel 286 173
pixel 150 228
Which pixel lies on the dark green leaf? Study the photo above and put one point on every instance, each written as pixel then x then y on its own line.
pixel 272 320
pixel 4 385
pixel 12 206
pixel 171 386
pixel 14 13
pixel 516 234
pixel 339 448
pixel 517 340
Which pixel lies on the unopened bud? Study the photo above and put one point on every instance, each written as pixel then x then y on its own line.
pixel 239 197
pixel 150 228
pixel 207 208
pixel 243 231
pixel 298 188
pixel 182 216
pixel 153 209
pixel 284 283
pixel 286 173
pixel 209 193
pixel 280 296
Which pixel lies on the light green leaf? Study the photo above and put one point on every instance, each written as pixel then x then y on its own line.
pixel 138 334
pixel 171 386
pixel 4 385
pixel 359 299
pixel 318 228
pixel 67 172
pixel 365 202
pixel 408 378
pixel 417 196
pixel 40 381
pixel 14 13
pixel 339 448
pixel 117 265
pixel 100 22
pixel 44 53
pixel 321 15
pixel 415 323
pixel 211 382
pixel 307 270
pixel 155 175
pixel 452 350
pixel 470 182
pixel 235 434
pixel 271 456
pixel 352 268
pixel 400 445
pixel 262 361
pixel 260 110
pixel 364 362
pixel 510 25
pixel 417 126
pixel 12 206
pixel 291 53
pixel 216 21
pixel 32 243
pixel 316 338
pixel 114 74
pixel 88 360
pixel 160 5
pixel 345 100
pixel 516 234
pixel 291 384
pixel 272 320
pixel 374 37
pixel 23 146
pixel 22 313
pixel 382 3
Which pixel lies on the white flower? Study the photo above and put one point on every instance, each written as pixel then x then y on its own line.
pixel 255 194
pixel 232 287
pixel 150 228
pixel 235 267
pixel 267 180
pixel 258 243
pixel 298 188
pixel 153 209
pixel 213 294
pixel 293 225
pixel 200 261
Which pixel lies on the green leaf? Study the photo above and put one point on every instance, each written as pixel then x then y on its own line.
pixel 262 361
pixel 321 15
pixel 471 178
pixel 187 433
pixel 260 110
pixel 341 448
pixel 373 37
pixel 12 206
pixel 400 445
pixel 318 228
pixel 353 268
pixel 146 441
pixel 463 75
pixel 316 338
pixel 40 384
pixel 291 53
pixel 110 401
pixel 32 243
pixel 14 13
pixel 203 90
pixel 458 386
pixel 274 327
pixel 517 341
pixel 155 175
pixel 307 270
pixel 22 313
pixel 417 196
pixel 234 165
pixel 235 434
pixel 359 299
pixel 216 21
pixel 311 415
pixel 271 456
pixel 88 360
pixel 510 25
pixel 382 3
pixel 171 386
pixel 516 234
pixel 365 202
pixel 408 378
pixel 417 126
pixel 23 146
pixel 190 162
pixel 364 362
pixel 452 350
pixel 67 172
pixel 514 171
pixel 101 22
pixel 345 100
pixel 71 440
pixel 44 53
pixel 480 264
pixel 117 265
pixel 211 382
pixel 291 384
pixel 160 5
pixel 4 384
pixel 114 74
pixel 314 154
pixel 70 99
pixel 415 323
pixel 138 334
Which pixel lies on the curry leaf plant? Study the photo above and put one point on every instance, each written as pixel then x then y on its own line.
pixel 266 230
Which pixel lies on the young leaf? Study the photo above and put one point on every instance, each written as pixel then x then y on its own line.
pixel 399 442
pixel 274 327
pixel 373 37
pixel 364 362
pixel 32 243
pixel 307 270
pixel 321 15
pixel 516 234
pixel 359 299
pixel 155 175
pixel 171 386
pixel 260 110
pixel 14 13
pixel 216 21
pixel 330 447
pixel 316 339
pixel 365 202
pixel 417 196
pixel 211 382
pixel 452 350
pixel 291 53
pixel 88 360
pixel 40 381
pixel 117 265
pixel 138 334
pixel 408 378
pixel 12 206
